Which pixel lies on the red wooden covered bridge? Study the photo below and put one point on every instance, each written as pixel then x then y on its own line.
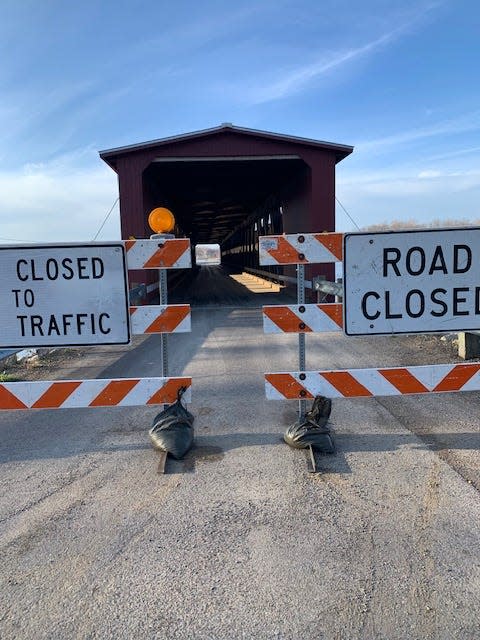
pixel 228 185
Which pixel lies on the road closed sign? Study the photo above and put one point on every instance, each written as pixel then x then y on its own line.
pixel 412 281
pixel 63 295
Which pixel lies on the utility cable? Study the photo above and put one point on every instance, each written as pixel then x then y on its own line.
pixel 350 217
pixel 106 218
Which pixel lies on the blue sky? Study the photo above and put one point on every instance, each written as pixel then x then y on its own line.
pixel 398 80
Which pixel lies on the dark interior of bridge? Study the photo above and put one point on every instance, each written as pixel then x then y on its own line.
pixel 211 199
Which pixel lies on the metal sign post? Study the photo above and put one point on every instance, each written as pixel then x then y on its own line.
pixel 163 295
pixel 302 403
pixel 163 292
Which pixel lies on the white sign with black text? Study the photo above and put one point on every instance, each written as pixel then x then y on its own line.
pixel 63 295
pixel 411 281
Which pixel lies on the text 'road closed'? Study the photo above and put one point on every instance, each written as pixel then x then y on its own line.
pixel 412 282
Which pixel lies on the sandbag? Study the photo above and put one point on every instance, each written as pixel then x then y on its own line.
pixel 313 430
pixel 172 429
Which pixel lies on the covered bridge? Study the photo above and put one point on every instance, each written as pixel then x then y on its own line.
pixel 228 185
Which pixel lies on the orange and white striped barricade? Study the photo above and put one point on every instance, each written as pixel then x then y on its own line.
pixel 159 254
pixel 360 383
pixel 72 394
pixel 173 318
pixel 141 254
pixel 305 318
pixel 300 248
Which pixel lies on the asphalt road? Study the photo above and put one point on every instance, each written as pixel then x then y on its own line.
pixel 238 540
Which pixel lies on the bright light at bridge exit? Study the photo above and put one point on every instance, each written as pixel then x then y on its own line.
pixel 208 254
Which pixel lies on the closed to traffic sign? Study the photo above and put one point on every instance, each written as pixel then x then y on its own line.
pixel 412 281
pixel 63 294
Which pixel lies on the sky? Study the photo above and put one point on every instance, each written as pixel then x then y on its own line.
pixel 398 80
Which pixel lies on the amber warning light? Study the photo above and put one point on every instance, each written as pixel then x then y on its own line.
pixel 161 220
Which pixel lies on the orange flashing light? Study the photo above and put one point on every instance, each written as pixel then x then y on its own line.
pixel 161 220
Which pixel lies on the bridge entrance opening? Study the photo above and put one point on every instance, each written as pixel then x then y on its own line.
pixel 212 198
pixel 229 202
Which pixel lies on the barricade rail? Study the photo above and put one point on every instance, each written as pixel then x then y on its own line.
pixel 362 383
pixel 73 394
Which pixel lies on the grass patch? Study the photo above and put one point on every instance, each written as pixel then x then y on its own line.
pixel 8 377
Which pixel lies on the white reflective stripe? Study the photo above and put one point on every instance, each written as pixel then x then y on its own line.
pixel 373 380
pixel 316 385
pixel 269 326
pixel 144 316
pixel 85 393
pixel 27 392
pixel 147 388
pixel 430 376
pixel 140 393
pixel 185 325
pixel 317 319
pixel 271 393
pixel 314 317
pixel 473 384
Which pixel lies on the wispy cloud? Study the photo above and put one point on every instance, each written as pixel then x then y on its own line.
pixel 188 36
pixel 461 124
pixel 394 184
pixel 27 108
pixel 458 153
pixel 293 81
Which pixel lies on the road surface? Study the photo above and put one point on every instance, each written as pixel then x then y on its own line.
pixel 238 540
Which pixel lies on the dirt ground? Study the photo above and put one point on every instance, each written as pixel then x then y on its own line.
pixel 62 363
